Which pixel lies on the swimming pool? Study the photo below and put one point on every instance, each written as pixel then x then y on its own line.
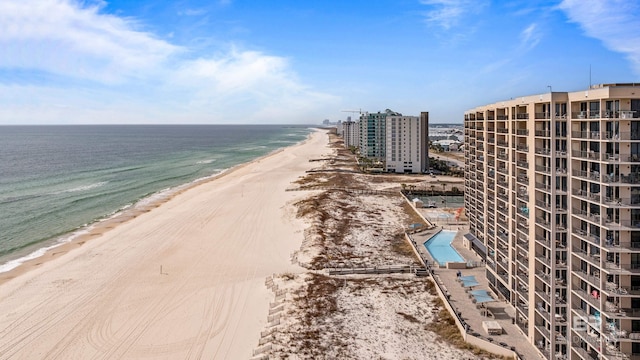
pixel 440 248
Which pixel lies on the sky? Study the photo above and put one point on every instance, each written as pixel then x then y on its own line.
pixel 297 61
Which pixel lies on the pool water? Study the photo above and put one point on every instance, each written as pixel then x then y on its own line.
pixel 440 248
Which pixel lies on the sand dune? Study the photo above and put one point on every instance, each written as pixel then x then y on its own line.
pixel 215 244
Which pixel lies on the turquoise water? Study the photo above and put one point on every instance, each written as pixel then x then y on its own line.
pixel 440 248
pixel 55 180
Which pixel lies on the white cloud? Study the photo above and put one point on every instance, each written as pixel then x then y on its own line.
pixel 447 13
pixel 60 37
pixel 614 22
pixel 126 70
pixel 192 12
pixel 530 37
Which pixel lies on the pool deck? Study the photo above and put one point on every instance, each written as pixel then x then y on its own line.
pixel 501 311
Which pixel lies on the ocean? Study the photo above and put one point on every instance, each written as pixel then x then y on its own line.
pixel 55 181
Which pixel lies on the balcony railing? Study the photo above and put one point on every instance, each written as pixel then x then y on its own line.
pixel 543 204
pixel 585 114
pixel 543 133
pixel 623 135
pixel 544 169
pixel 591 155
pixel 594 280
pixel 622 245
pixel 542 151
pixel 592 238
pixel 524 116
pixel 522 147
pixel 591 258
pixel 586 134
pixel 543 115
pixel 543 187
pixel 632 268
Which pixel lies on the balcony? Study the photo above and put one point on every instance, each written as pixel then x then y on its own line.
pixel 595 197
pixel 633 268
pixel 522 116
pixel 544 332
pixel 624 135
pixel 503 156
pixel 595 135
pixel 585 114
pixel 610 157
pixel 542 151
pixel 591 279
pixel 522 195
pixel 522 164
pixel 523 180
pixel 584 215
pixel 543 169
pixel 589 155
pixel 543 187
pixel 503 131
pixel 522 147
pixel 630 179
pixel 522 132
pixel 543 205
pixel 593 258
pixel 581 174
pixel 524 227
pixel 588 298
pixel 543 133
pixel 592 238
pixel 543 222
pixel 621 246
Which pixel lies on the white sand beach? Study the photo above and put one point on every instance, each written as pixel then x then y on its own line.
pixel 215 243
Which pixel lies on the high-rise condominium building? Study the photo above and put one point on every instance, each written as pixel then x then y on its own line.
pixel 552 190
pixel 407 143
pixel 351 133
pixel 372 129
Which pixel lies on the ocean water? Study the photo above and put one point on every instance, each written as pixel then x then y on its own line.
pixel 56 180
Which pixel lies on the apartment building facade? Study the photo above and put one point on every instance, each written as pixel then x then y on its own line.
pixel 351 133
pixel 407 143
pixel 552 189
pixel 373 127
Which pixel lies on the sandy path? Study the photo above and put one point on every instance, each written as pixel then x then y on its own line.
pixel 216 243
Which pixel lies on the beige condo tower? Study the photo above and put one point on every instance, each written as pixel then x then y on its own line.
pixel 552 189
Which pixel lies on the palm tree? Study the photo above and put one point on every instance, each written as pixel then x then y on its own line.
pixel 444 194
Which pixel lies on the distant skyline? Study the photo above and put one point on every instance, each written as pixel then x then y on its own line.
pixel 286 62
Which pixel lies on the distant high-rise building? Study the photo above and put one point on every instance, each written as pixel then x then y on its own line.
pixel 407 143
pixel 372 141
pixel 552 191
pixel 351 133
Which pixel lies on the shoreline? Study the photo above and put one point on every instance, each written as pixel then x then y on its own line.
pixel 184 278
pixel 52 248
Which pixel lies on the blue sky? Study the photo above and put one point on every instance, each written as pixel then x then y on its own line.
pixel 277 61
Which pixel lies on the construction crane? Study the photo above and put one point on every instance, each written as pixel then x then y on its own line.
pixel 353 111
